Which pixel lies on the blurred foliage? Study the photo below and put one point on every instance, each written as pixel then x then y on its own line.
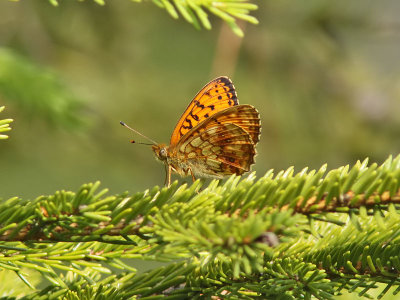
pixel 14 284
pixel 37 91
pixel 324 77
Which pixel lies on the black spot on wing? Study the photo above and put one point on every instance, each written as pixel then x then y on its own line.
pixel 188 126
pixel 196 117
pixel 189 122
pixel 197 103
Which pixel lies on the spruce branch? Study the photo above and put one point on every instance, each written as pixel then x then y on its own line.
pixel 309 234
pixel 4 125
pixel 196 12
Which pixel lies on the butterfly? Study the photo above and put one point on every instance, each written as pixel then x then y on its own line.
pixel 214 137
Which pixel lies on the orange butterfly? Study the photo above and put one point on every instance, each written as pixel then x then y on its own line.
pixel 214 137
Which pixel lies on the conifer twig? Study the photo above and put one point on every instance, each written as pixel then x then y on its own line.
pixel 4 125
pixel 196 11
pixel 245 238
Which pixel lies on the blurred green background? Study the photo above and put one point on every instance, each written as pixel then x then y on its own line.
pixel 324 76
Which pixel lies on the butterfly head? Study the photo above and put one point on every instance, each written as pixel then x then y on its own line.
pixel 161 151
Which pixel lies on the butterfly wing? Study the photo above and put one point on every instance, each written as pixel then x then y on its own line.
pixel 215 96
pixel 245 116
pixel 223 144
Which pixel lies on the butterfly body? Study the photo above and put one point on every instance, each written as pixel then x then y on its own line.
pixel 214 137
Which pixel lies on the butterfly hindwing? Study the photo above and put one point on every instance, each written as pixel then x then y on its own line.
pixel 218 151
pixel 223 144
pixel 244 116
pixel 214 97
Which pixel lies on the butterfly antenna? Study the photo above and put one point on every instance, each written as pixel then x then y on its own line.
pixel 137 132
pixel 140 143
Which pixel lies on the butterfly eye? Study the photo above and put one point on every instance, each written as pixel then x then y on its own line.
pixel 163 152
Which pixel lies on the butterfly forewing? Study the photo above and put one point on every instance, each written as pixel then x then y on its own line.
pixel 214 97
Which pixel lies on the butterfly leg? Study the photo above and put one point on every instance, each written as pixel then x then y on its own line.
pixel 191 173
pixel 168 171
